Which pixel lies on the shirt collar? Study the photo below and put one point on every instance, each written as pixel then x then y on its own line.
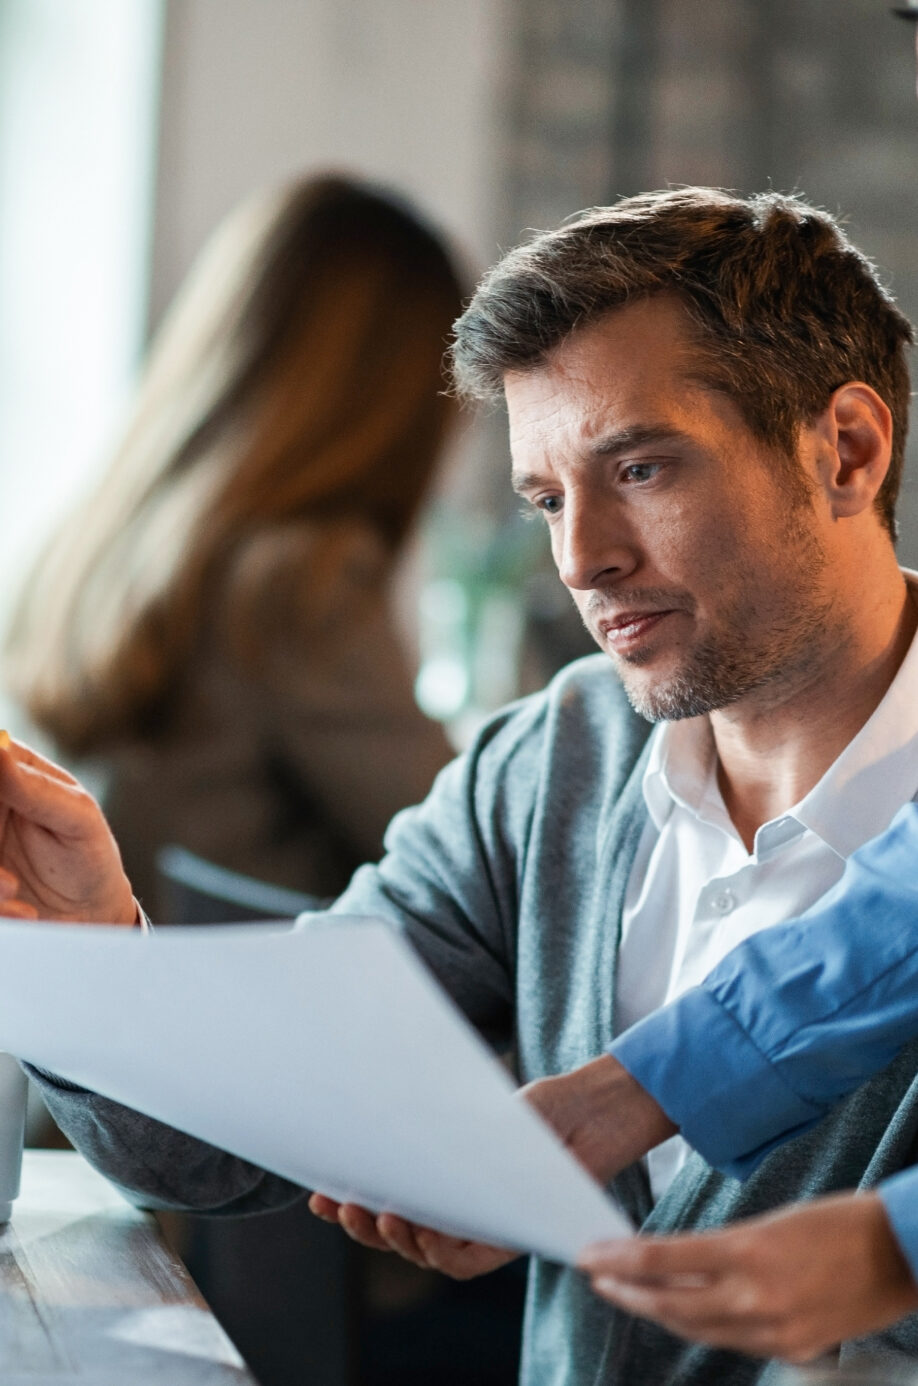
pixel 856 798
pixel 877 772
pixel 679 769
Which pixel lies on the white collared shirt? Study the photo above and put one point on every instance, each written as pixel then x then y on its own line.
pixel 695 892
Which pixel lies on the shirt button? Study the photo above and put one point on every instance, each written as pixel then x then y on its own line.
pixel 724 901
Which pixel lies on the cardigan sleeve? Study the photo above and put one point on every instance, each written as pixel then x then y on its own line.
pixel 447 881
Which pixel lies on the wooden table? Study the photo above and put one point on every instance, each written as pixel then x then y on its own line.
pixel 90 1293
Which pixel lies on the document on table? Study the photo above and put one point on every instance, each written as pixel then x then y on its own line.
pixel 325 1052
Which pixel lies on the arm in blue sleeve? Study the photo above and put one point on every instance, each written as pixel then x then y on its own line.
pixel 900 1198
pixel 795 1017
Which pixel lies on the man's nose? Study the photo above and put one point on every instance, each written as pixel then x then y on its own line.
pixel 592 546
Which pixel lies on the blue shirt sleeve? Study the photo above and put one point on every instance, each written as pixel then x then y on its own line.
pixel 795 1017
pixel 900 1198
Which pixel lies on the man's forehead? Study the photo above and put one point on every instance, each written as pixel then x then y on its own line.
pixel 638 357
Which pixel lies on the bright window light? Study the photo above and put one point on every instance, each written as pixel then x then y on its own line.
pixel 78 85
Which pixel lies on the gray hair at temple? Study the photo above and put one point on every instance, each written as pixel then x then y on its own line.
pixel 785 308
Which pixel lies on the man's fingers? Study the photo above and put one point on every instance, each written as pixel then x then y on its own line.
pixel 402 1236
pixel 355 1221
pixel 17 909
pixel 11 907
pixel 422 1246
pixel 432 1250
pixel 450 1254
pixel 9 884
pixel 460 1259
pixel 360 1225
pixel 323 1207
pixel 21 754
pixel 59 806
pixel 637 1259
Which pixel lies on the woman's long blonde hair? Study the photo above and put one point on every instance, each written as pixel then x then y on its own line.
pixel 297 379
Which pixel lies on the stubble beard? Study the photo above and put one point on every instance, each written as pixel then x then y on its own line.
pixel 733 664
pixel 715 674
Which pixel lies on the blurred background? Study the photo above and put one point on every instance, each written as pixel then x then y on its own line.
pixel 129 128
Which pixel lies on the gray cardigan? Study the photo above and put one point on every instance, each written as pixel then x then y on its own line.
pixel 509 879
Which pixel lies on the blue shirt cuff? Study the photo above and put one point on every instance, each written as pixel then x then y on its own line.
pixel 900 1198
pixel 724 1094
pixel 796 1017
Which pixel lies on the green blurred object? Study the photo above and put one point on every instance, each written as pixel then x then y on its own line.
pixel 494 620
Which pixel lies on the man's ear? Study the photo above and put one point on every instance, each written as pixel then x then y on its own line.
pixel 854 447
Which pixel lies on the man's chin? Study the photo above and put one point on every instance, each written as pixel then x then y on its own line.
pixel 669 699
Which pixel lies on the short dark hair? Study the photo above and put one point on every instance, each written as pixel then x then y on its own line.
pixel 786 309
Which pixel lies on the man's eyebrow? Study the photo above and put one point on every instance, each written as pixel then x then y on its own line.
pixel 525 481
pixel 640 435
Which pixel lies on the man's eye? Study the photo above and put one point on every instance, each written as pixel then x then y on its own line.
pixel 640 471
pixel 549 505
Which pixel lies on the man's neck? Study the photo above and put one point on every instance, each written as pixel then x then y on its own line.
pixel 774 748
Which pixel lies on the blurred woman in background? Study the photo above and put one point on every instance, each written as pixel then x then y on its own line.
pixel 210 635
pixel 211 631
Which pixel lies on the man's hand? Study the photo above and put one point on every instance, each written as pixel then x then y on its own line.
pixel 790 1284
pixel 604 1117
pixel 58 859
pixel 423 1246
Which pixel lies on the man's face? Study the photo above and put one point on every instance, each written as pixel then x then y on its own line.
pixel 695 561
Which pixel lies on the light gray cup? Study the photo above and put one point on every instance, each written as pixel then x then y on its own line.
pixel 877 1373
pixel 13 1090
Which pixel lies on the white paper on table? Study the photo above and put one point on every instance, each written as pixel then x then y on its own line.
pixel 326 1053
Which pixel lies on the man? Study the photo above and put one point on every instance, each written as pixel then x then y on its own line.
pixel 763 755
pixel 801 1015
pixel 708 404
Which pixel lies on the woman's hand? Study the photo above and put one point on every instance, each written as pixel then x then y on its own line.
pixel 791 1284
pixel 602 1114
pixel 58 858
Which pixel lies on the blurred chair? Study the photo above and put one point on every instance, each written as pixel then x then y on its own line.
pixel 195 891
pixel 286 1287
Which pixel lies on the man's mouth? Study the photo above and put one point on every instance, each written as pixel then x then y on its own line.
pixel 622 633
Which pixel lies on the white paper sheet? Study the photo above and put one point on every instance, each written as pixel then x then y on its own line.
pixel 327 1054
